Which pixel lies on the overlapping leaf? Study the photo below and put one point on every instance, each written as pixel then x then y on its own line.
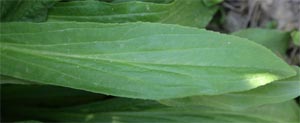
pixel 138 60
pixel 208 75
pixel 129 111
pixel 274 92
pixel 275 40
pixel 184 12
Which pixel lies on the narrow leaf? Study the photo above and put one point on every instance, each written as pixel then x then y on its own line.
pixel 131 111
pixel 138 60
pixel 183 12
pixel 275 92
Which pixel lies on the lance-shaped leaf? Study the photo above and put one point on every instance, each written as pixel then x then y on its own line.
pixel 138 60
pixel 130 111
pixel 275 92
pixel 25 10
pixel 183 12
pixel 275 40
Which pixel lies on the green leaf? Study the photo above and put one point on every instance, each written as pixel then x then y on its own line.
pixel 275 92
pixel 137 60
pixel 25 10
pixel 296 37
pixel 131 111
pixel 183 12
pixel 275 40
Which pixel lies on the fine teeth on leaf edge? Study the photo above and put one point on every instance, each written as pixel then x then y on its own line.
pixel 137 60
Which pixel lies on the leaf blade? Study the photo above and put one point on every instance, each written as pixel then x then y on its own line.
pixel 275 92
pixel 192 13
pixel 128 110
pixel 275 40
pixel 164 61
